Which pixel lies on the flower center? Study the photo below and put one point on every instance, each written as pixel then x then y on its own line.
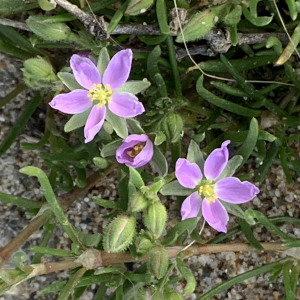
pixel 135 150
pixel 100 94
pixel 207 190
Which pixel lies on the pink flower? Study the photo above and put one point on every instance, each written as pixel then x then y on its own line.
pixel 229 189
pixel 136 151
pixel 99 93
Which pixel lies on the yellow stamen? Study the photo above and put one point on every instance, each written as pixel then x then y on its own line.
pixel 100 94
pixel 135 150
pixel 207 191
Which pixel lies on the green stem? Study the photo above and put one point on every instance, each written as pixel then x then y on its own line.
pixel 18 90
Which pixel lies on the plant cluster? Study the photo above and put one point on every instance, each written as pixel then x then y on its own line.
pixel 135 105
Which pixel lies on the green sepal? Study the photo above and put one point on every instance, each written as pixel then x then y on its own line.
pixel 100 162
pixel 118 123
pixel 134 126
pixel 195 155
pixel 174 188
pixel 77 121
pixel 103 60
pixel 231 167
pixel 134 87
pixel 111 148
pixel 69 81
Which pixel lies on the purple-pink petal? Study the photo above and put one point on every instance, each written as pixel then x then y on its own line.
pixel 125 105
pixel 118 69
pixel 190 207
pixel 74 102
pixel 142 158
pixel 188 174
pixel 94 122
pixel 216 162
pixel 233 190
pixel 85 71
pixel 215 215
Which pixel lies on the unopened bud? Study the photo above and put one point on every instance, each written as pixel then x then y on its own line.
pixel 38 73
pixel 40 26
pixel 158 261
pixel 119 234
pixel 155 218
pixel 137 202
pixel 143 242
pixel 172 126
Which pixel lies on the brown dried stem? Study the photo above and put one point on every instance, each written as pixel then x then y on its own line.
pixel 93 259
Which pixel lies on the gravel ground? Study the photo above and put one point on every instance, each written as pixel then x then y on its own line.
pixel 276 199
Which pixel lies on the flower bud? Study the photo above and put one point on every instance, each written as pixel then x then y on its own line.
pixel 135 151
pixel 100 162
pixel 137 202
pixel 158 261
pixel 38 73
pixel 155 218
pixel 119 233
pixel 172 126
pixel 136 7
pixel 40 26
pixel 143 242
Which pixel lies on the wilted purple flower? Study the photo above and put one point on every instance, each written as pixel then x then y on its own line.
pixel 99 92
pixel 229 189
pixel 136 151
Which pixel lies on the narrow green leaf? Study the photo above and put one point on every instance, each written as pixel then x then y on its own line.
pixel 289 295
pixel 53 252
pixel 19 201
pixel 70 285
pixel 51 199
pixel 117 18
pixel 20 124
pixel 105 203
pixel 268 224
pixel 161 12
pixel 187 275
pixel 248 146
pixel 227 105
pixel 249 235
pixel 237 279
